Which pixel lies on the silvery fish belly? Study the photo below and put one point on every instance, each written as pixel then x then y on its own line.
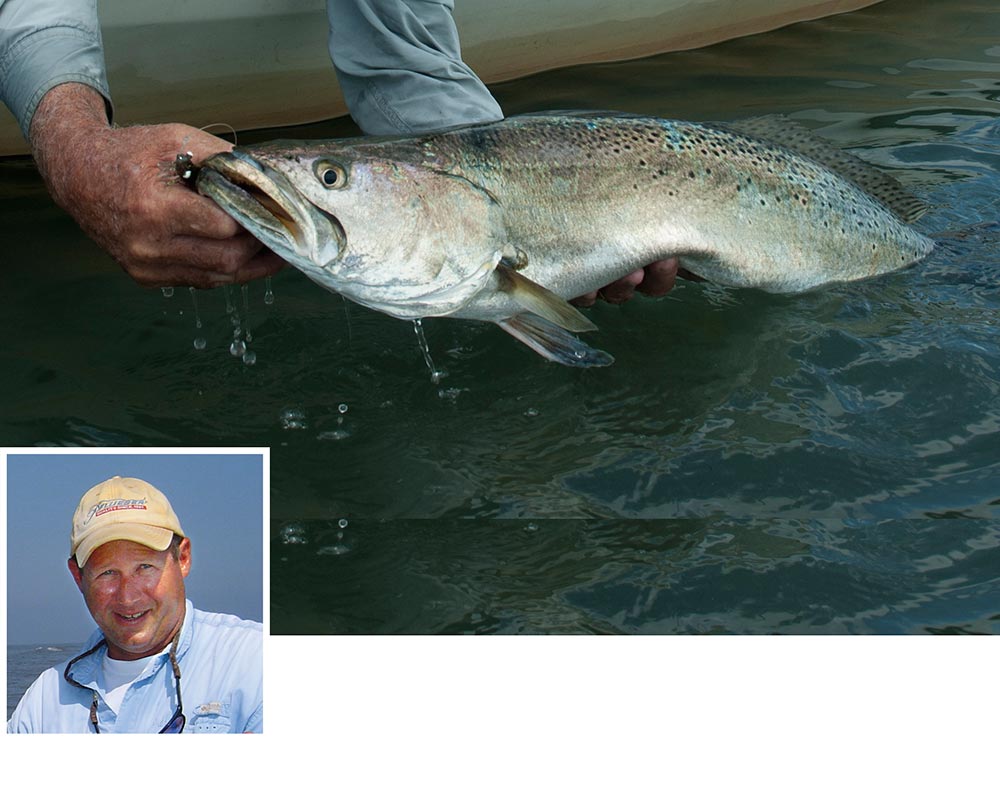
pixel 506 222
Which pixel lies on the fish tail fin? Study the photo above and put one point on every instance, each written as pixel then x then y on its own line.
pixel 552 342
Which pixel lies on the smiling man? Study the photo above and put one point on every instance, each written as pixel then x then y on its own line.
pixel 155 664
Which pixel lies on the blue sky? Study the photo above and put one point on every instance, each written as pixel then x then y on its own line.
pixel 217 497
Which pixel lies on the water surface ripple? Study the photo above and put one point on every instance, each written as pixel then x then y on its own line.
pixel 828 462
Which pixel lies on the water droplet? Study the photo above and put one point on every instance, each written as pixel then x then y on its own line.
pixel 167 292
pixel 268 293
pixel 418 329
pixel 294 534
pixel 249 358
pixel 342 523
pixel 197 315
pixel 238 347
pixel 342 408
pixel 293 419
pixel 200 343
pixel 531 412
pixel 246 310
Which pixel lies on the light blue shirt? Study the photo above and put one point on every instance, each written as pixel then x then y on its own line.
pixel 400 68
pixel 221 662
pixel 44 43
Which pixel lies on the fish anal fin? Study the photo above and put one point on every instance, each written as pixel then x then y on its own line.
pixel 552 342
pixel 540 300
pixel 783 131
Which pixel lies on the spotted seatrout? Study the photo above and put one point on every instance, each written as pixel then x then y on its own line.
pixel 506 222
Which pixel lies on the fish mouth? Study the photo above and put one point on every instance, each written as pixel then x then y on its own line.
pixel 266 203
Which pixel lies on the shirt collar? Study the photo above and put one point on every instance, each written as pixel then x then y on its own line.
pixel 86 670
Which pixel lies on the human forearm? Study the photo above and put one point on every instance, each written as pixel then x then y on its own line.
pixel 44 43
pixel 69 122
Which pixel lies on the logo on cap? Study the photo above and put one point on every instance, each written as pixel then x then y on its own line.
pixel 114 505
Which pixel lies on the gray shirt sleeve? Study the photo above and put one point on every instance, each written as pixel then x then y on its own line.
pixel 44 43
pixel 400 66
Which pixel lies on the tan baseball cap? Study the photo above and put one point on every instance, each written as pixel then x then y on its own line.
pixel 122 508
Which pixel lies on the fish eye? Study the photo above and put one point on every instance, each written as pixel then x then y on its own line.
pixel 331 175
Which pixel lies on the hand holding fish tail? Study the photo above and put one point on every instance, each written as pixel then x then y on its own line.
pixel 110 181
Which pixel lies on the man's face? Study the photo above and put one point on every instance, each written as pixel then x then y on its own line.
pixel 135 594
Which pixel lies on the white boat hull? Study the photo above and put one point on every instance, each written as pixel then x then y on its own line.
pixel 264 63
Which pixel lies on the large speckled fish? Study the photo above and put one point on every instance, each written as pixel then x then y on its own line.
pixel 506 222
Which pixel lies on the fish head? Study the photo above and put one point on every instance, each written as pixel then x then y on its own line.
pixel 388 231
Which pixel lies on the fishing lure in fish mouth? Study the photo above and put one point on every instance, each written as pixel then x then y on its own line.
pixel 185 168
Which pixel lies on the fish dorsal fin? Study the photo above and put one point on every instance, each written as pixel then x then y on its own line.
pixel 539 300
pixel 783 131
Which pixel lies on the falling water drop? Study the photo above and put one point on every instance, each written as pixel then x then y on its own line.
pixel 418 329
pixel 341 432
pixel 194 301
pixel 268 292
pixel 238 347
pixel 199 342
pixel 246 311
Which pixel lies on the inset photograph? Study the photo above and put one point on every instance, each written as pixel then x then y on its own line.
pixel 135 591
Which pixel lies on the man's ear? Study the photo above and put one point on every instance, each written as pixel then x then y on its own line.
pixel 184 557
pixel 75 571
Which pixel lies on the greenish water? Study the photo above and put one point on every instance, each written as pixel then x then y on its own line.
pixel 751 463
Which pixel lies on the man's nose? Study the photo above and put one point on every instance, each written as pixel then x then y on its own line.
pixel 130 589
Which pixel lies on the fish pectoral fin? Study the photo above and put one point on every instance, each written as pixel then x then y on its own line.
pixel 552 342
pixel 541 301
